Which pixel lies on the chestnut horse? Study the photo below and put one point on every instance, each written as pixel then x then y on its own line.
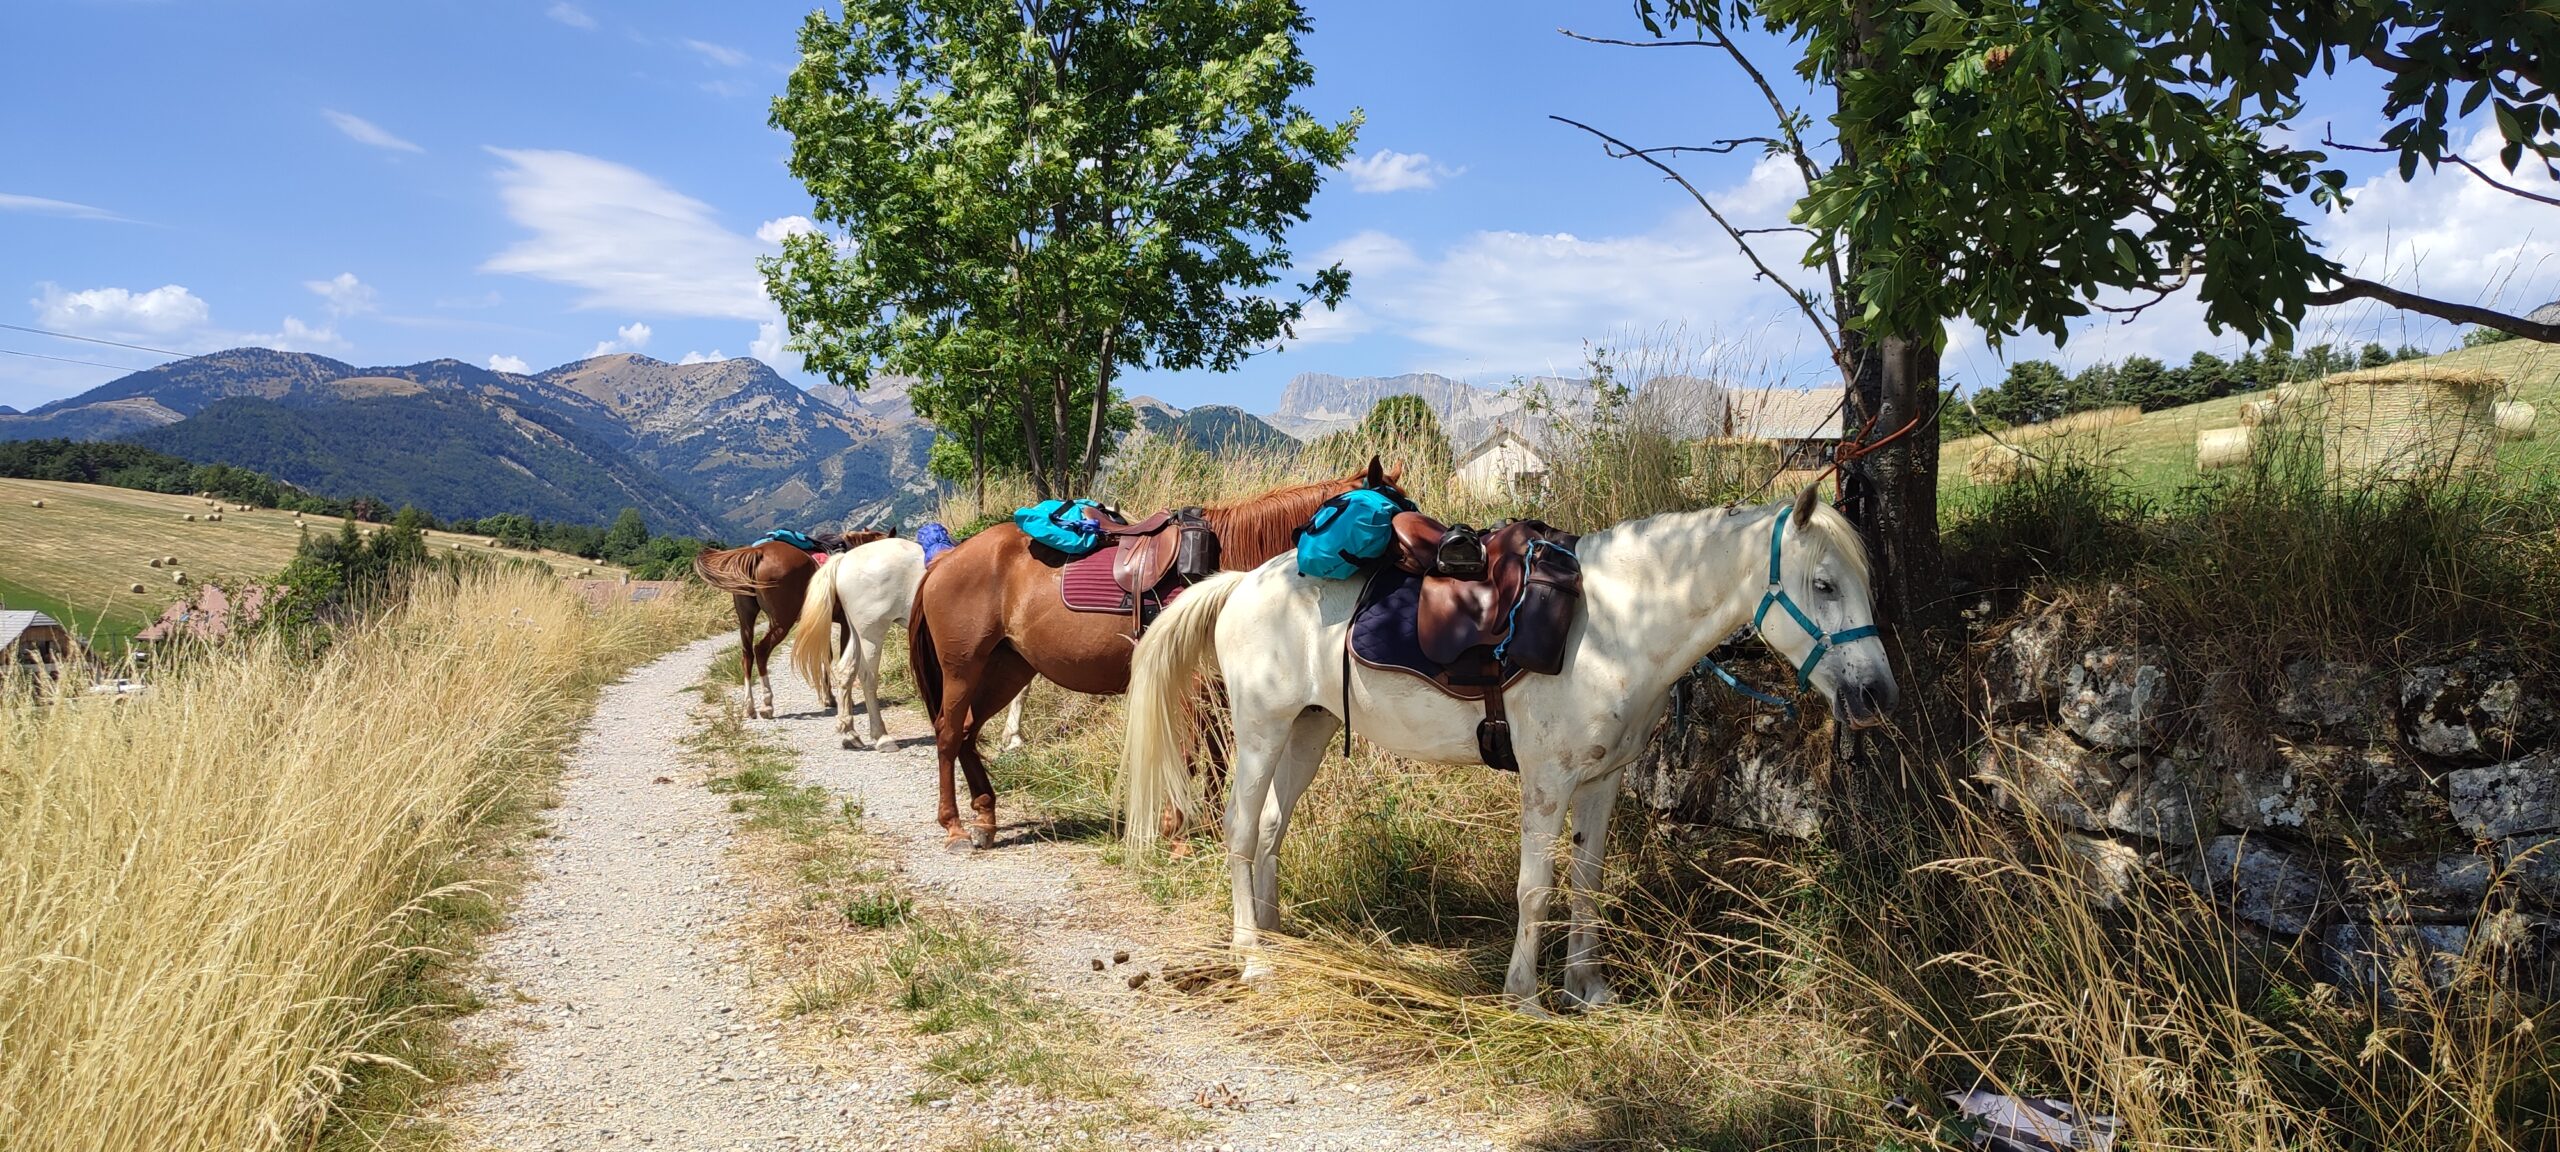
pixel 772 578
pixel 988 618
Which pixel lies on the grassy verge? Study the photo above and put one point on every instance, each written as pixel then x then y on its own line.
pixel 854 946
pixel 231 907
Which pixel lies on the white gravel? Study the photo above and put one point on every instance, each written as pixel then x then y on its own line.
pixel 627 1006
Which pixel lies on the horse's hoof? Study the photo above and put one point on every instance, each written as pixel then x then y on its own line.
pixel 1256 971
pixel 1592 998
pixel 959 845
pixel 982 836
pixel 851 744
pixel 1180 849
pixel 1528 1006
pixel 885 744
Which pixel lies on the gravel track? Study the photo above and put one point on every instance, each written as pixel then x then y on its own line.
pixel 623 988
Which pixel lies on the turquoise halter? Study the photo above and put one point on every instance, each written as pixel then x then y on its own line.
pixel 1824 643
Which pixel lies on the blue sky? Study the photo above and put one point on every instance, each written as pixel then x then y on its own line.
pixel 524 184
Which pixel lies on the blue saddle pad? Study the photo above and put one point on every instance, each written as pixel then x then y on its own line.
pixel 797 540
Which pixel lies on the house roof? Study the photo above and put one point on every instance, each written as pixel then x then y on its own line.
pixel 1783 413
pixel 16 624
pixel 207 615
pixel 1496 440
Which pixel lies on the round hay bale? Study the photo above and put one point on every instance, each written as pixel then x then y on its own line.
pixel 2408 422
pixel 457 545
pixel 2222 447
pixel 39 503
pixel 2261 412
pixel 155 562
pixel 1995 464
pixel 137 588
pixel 2514 419
pixel 493 543
pixel 191 517
pixel 168 561
pixel 178 577
pixel 2292 396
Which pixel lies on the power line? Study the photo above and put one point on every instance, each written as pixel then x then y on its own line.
pixel 68 360
pixel 90 339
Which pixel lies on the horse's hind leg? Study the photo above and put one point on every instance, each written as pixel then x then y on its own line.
pixel 1005 676
pixel 746 609
pixel 1592 803
pixel 850 662
pixel 1292 770
pixel 868 665
pixel 1264 750
pixel 773 633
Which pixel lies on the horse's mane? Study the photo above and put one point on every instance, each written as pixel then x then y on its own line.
pixel 853 540
pixel 1258 528
pixel 1838 537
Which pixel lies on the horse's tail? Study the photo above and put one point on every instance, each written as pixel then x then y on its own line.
pixel 1153 767
pixel 731 570
pixel 922 660
pixel 813 641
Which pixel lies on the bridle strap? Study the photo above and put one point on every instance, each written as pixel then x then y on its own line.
pixel 1824 643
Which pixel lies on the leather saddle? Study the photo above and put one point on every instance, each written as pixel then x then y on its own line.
pixel 1490 606
pixel 1169 549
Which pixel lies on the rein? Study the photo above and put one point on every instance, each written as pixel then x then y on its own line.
pixel 1824 643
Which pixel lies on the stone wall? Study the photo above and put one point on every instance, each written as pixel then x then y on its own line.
pixel 2377 811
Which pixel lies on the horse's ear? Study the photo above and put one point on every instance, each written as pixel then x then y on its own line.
pixel 1378 473
pixel 1805 501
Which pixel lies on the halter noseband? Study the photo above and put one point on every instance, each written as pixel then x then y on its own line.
pixel 1824 643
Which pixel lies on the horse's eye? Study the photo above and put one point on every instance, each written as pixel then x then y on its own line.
pixel 1823 586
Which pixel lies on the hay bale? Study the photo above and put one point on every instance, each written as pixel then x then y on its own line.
pixel 137 588
pixel 1996 464
pixel 457 545
pixel 2514 419
pixel 191 517
pixel 155 562
pixel 39 503
pixel 178 577
pixel 168 561
pixel 2408 421
pixel 214 516
pixel 2222 447
pixel 2257 413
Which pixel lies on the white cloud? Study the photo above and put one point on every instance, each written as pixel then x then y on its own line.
pixel 772 345
pixel 364 131
pixel 514 364
pixel 631 337
pixel 297 336
pixel 629 242
pixel 40 206
pixel 712 357
pixel 720 54
pixel 570 14
pixel 345 294
pixel 1387 170
pixel 773 231
pixel 167 311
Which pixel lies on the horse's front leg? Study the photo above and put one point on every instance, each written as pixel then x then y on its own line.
pixel 870 669
pixel 848 660
pixel 1543 794
pixel 1592 803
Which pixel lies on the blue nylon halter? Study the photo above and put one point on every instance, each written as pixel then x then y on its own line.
pixel 1823 642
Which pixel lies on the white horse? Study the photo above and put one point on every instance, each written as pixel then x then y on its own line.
pixel 866 589
pixel 1658 595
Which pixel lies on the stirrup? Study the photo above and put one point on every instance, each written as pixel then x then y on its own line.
pixel 1460 555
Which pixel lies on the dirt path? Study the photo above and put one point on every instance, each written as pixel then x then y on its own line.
pixel 628 1006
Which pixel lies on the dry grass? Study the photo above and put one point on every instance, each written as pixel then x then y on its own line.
pixel 76 557
pixel 231 900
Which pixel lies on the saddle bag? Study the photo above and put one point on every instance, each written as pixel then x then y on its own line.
pixel 1195 554
pixel 1348 533
pixel 1550 594
pixel 1061 524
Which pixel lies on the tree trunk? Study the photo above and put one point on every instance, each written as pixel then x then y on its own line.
pixel 978 457
pixel 1031 458
pixel 1100 408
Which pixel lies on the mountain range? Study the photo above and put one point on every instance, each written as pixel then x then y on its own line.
pixel 724 447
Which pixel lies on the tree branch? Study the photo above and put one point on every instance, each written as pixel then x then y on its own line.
pixel 2358 288
pixel 1620 150
pixel 1786 121
pixel 2454 158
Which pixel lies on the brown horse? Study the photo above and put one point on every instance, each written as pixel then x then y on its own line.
pixel 771 578
pixel 988 618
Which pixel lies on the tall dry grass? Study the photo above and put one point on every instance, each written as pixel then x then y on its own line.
pixel 225 900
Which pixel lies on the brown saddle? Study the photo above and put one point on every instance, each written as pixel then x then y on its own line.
pixel 1169 549
pixel 1491 606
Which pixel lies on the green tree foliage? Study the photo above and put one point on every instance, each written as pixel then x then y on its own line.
pixel 1033 196
pixel 627 536
pixel 2035 390
pixel 1401 430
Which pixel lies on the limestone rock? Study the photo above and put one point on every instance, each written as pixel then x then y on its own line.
pixel 2033 766
pixel 2336 699
pixel 2329 790
pixel 2384 957
pixel 2025 671
pixel 2471 710
pixel 2534 861
pixel 2265 884
pixel 2161 799
pixel 2448 887
pixel 2118 697
pixel 2506 799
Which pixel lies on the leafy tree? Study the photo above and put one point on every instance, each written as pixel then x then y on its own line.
pixel 2483 337
pixel 1032 196
pixel 628 534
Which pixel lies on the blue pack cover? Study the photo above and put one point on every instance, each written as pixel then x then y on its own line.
pixel 795 539
pixel 935 539
pixel 1060 524
pixel 1347 533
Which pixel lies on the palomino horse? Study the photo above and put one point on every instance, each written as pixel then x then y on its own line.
pixel 865 590
pixel 772 578
pixel 1658 594
pixel 988 618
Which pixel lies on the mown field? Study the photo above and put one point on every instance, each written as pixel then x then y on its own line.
pixel 77 558
pixel 2157 454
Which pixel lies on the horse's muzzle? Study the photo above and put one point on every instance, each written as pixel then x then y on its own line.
pixel 1867 704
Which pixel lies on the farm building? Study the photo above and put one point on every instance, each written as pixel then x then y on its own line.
pixel 1803 422
pixel 1505 464
pixel 210 614
pixel 33 639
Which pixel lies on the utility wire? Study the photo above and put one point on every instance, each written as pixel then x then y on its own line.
pixel 68 360
pixel 89 339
